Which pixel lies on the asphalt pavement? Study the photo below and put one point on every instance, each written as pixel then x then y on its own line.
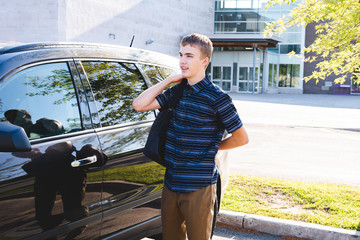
pixel 306 137
pixel 311 110
pixel 226 233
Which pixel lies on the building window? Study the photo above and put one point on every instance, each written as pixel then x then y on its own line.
pixel 287 48
pixel 250 16
pixel 289 75
pixel 272 75
pixel 355 86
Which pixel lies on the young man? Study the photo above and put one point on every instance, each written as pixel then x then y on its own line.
pixel 193 138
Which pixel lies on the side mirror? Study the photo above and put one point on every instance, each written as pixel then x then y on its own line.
pixel 13 138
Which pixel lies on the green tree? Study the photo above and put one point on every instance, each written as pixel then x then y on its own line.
pixel 336 49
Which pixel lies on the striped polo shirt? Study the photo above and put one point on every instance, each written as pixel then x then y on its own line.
pixel 194 135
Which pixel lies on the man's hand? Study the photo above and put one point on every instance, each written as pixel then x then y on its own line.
pixel 175 78
pixel 146 101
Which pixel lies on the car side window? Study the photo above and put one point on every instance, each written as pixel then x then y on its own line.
pixel 42 100
pixel 115 85
pixel 152 72
pixel 156 74
pixel 166 72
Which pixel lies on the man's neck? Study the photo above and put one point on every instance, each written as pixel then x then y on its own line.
pixel 196 79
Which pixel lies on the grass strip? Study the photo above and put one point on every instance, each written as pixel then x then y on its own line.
pixel 326 204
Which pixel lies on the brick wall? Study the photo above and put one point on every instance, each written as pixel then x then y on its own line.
pixel 326 86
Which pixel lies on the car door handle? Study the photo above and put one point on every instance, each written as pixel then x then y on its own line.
pixel 84 161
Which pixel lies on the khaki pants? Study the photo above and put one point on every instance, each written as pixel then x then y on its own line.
pixel 190 213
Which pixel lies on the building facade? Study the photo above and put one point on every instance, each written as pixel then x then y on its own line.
pixel 243 60
pixel 156 25
pixel 240 48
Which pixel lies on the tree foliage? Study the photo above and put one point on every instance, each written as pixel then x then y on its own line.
pixel 336 49
pixel 58 83
pixel 115 86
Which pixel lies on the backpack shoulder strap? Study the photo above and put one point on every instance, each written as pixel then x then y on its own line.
pixel 178 94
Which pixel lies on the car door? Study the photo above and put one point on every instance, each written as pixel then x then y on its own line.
pixel 53 191
pixel 132 182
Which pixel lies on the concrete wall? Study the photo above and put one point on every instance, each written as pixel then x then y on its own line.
pixel 106 21
pixel 28 20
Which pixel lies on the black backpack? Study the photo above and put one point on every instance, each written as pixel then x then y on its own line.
pixel 155 144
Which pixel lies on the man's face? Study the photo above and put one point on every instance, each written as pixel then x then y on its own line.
pixel 192 62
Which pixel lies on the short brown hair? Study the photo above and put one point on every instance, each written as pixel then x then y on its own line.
pixel 199 40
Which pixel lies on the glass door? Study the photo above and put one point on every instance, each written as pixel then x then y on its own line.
pixel 246 81
pixel 355 86
pixel 221 76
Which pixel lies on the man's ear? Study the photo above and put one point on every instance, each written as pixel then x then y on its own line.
pixel 205 62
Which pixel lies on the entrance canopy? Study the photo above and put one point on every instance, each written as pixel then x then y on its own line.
pixel 243 40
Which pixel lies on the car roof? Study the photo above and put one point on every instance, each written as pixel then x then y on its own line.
pixel 16 56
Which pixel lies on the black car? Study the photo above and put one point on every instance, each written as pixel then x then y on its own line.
pixel 71 162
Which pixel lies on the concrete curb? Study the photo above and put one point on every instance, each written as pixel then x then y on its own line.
pixel 286 228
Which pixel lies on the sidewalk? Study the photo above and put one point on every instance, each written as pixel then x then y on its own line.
pixel 284 228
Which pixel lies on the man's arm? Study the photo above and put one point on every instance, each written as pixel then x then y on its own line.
pixel 146 101
pixel 237 139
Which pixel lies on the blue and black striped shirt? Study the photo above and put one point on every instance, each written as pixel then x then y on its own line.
pixel 194 135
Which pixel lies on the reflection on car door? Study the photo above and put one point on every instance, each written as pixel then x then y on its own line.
pixel 54 190
pixel 132 183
